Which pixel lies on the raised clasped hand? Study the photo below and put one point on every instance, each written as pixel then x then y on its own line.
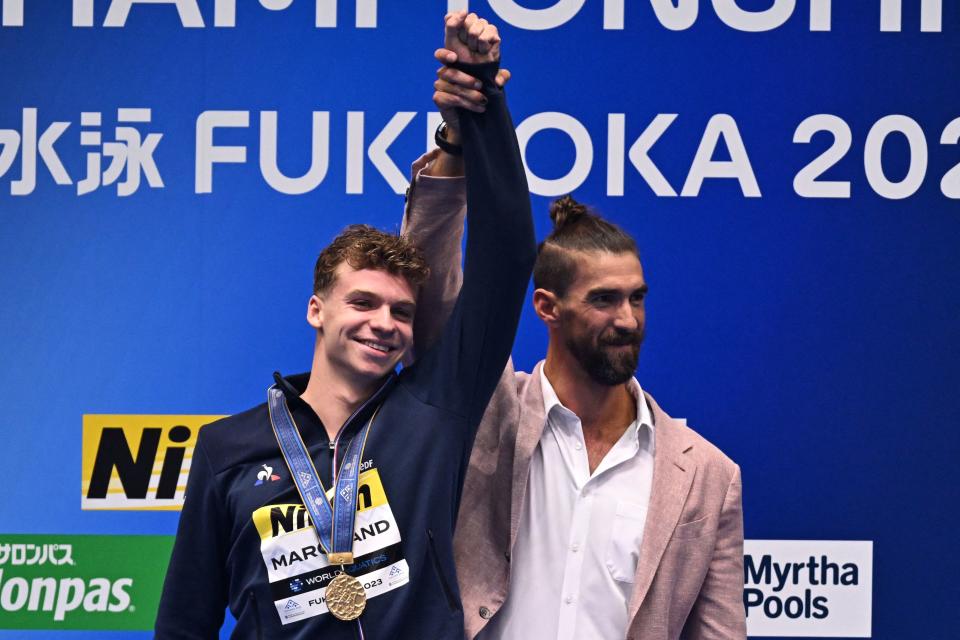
pixel 471 39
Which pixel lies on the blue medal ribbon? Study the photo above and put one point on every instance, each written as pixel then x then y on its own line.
pixel 333 519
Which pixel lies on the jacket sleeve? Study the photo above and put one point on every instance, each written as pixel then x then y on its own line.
pixel 194 591
pixel 461 371
pixel 718 612
pixel 433 221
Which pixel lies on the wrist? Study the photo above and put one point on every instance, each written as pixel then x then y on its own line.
pixel 485 72
pixel 444 165
pixel 452 136
pixel 447 140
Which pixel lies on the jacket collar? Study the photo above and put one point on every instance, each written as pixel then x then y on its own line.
pixel 293 386
pixel 673 473
pixel 532 420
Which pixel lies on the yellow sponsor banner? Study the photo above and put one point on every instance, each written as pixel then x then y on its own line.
pixel 137 462
pixel 277 519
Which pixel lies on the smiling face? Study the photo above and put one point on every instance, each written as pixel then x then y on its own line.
pixel 364 323
pixel 600 319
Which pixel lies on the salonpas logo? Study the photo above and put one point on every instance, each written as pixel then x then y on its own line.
pixel 81 582
pixel 137 462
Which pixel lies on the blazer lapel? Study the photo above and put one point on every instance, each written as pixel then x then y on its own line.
pixel 673 474
pixel 531 421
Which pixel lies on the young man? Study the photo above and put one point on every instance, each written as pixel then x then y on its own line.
pixel 260 532
pixel 587 511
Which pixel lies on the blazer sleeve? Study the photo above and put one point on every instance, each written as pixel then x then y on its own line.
pixel 433 221
pixel 461 371
pixel 718 612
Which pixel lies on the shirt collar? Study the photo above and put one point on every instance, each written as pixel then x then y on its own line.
pixel 551 403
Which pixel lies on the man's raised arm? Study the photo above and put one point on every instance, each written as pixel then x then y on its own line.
pixel 436 205
pixel 477 340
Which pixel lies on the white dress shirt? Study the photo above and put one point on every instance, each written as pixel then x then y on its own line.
pixel 575 557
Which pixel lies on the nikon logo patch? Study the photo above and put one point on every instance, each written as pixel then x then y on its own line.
pixel 137 462
pixel 81 582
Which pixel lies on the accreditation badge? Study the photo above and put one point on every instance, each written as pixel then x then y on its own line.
pixel 297 567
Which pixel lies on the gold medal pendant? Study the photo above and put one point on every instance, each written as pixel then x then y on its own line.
pixel 345 597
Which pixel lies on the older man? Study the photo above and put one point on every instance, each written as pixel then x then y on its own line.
pixel 588 512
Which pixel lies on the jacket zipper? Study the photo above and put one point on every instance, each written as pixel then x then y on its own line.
pixel 447 591
pixel 252 597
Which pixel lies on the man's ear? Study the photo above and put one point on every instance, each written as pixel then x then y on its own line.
pixel 315 312
pixel 546 306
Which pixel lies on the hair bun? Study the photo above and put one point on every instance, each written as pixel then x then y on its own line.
pixel 566 211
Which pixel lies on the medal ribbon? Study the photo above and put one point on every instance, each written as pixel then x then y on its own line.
pixel 334 521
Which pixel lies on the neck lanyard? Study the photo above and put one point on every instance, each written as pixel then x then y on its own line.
pixel 333 519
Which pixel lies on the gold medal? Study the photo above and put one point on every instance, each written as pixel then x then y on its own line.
pixel 346 598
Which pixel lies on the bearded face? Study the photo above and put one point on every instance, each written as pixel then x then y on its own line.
pixel 601 316
pixel 609 358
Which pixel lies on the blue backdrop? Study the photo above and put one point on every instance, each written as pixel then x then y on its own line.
pixel 814 339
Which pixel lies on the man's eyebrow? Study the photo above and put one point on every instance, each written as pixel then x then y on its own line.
pixel 361 293
pixel 601 291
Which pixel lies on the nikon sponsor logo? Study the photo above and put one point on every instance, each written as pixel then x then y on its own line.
pixel 81 582
pixel 137 462
pixel 808 588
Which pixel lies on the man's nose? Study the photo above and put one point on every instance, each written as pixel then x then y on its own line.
pixel 627 316
pixel 382 320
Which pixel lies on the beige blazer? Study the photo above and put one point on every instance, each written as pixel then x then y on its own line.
pixel 689 579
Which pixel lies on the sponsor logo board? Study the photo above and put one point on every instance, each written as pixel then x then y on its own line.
pixel 81 581
pixel 808 588
pixel 297 566
pixel 137 462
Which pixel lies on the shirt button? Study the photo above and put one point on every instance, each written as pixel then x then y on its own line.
pixel 485 613
pixel 578 445
pixel 568 599
pixel 575 547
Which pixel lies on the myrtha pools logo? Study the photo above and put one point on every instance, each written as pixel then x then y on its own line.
pixel 810 588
